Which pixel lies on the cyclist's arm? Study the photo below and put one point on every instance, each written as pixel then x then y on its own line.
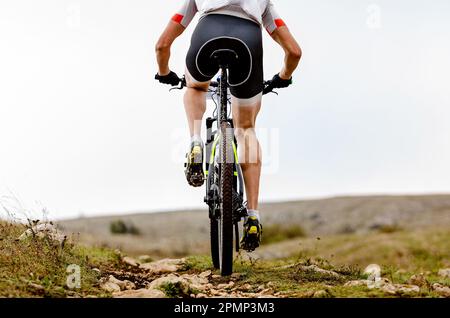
pixel 174 29
pixel 292 50
pixel 281 34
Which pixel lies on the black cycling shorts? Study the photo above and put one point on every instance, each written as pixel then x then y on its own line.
pixel 218 31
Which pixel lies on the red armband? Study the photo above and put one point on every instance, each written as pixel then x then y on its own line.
pixel 177 18
pixel 279 23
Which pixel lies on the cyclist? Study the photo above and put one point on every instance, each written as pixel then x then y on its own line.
pixel 226 24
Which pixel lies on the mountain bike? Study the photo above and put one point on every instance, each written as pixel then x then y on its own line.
pixel 224 179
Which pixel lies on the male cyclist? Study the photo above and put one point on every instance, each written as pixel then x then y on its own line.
pixel 227 24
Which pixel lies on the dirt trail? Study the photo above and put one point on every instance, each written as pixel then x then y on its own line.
pixel 178 278
pixel 173 278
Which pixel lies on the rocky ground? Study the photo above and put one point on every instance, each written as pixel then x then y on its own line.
pixel 177 278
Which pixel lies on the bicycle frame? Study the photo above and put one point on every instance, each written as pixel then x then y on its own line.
pixel 212 142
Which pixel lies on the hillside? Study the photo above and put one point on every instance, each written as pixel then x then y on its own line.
pixel 182 233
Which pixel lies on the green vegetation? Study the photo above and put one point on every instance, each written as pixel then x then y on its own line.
pixel 121 227
pixel 38 268
pixel 296 278
pixel 278 233
pixel 389 229
pixel 401 254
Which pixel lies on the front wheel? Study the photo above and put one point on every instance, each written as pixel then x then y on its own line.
pixel 226 195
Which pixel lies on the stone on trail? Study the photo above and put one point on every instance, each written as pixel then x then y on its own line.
pixel 225 286
pixel 113 284
pixel 236 276
pixel 110 287
pixel 123 284
pixel 145 259
pixel 267 296
pixel 246 287
pixel 44 230
pixel 205 274
pixel 444 272
pixel 97 271
pixel 321 294
pixel 130 261
pixel 36 287
pixel 140 293
pixel 399 289
pixel 196 282
pixel 441 290
pixel 163 266
pixel 185 283
pixel 357 283
pixel 169 279
pixel 418 280
pixel 317 269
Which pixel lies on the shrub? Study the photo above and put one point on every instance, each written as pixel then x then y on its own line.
pixel 388 229
pixel 121 227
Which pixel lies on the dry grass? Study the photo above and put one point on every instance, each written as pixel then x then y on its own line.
pixel 37 267
pixel 425 250
pixel 277 233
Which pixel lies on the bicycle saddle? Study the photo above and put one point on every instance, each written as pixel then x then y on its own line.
pixel 225 57
pixel 225 52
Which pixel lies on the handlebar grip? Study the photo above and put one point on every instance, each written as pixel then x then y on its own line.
pixel 268 87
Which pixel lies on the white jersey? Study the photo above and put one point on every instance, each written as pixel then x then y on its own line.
pixel 259 11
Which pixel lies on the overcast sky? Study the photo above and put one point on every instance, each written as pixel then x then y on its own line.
pixel 84 128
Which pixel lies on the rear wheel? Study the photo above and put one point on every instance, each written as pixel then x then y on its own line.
pixel 226 204
pixel 215 242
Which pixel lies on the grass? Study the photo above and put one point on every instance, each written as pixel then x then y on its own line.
pixel 289 278
pixel 38 268
pixel 413 251
pixel 278 233
pixel 401 255
pixel 286 276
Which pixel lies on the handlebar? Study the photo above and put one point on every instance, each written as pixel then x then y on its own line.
pixel 268 87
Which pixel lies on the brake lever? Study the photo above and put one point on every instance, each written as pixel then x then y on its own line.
pixel 176 88
pixel 270 91
pixel 181 85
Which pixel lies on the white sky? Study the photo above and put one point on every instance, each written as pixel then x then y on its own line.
pixel 85 129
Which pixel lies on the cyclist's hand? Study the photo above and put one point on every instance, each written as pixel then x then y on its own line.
pixel 278 82
pixel 170 79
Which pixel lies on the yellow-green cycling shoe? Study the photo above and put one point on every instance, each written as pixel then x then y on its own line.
pixel 251 238
pixel 194 165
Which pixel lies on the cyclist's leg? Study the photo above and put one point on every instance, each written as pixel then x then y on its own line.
pixel 195 106
pixel 250 156
pixel 197 82
pixel 195 103
pixel 251 161
pixel 246 100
